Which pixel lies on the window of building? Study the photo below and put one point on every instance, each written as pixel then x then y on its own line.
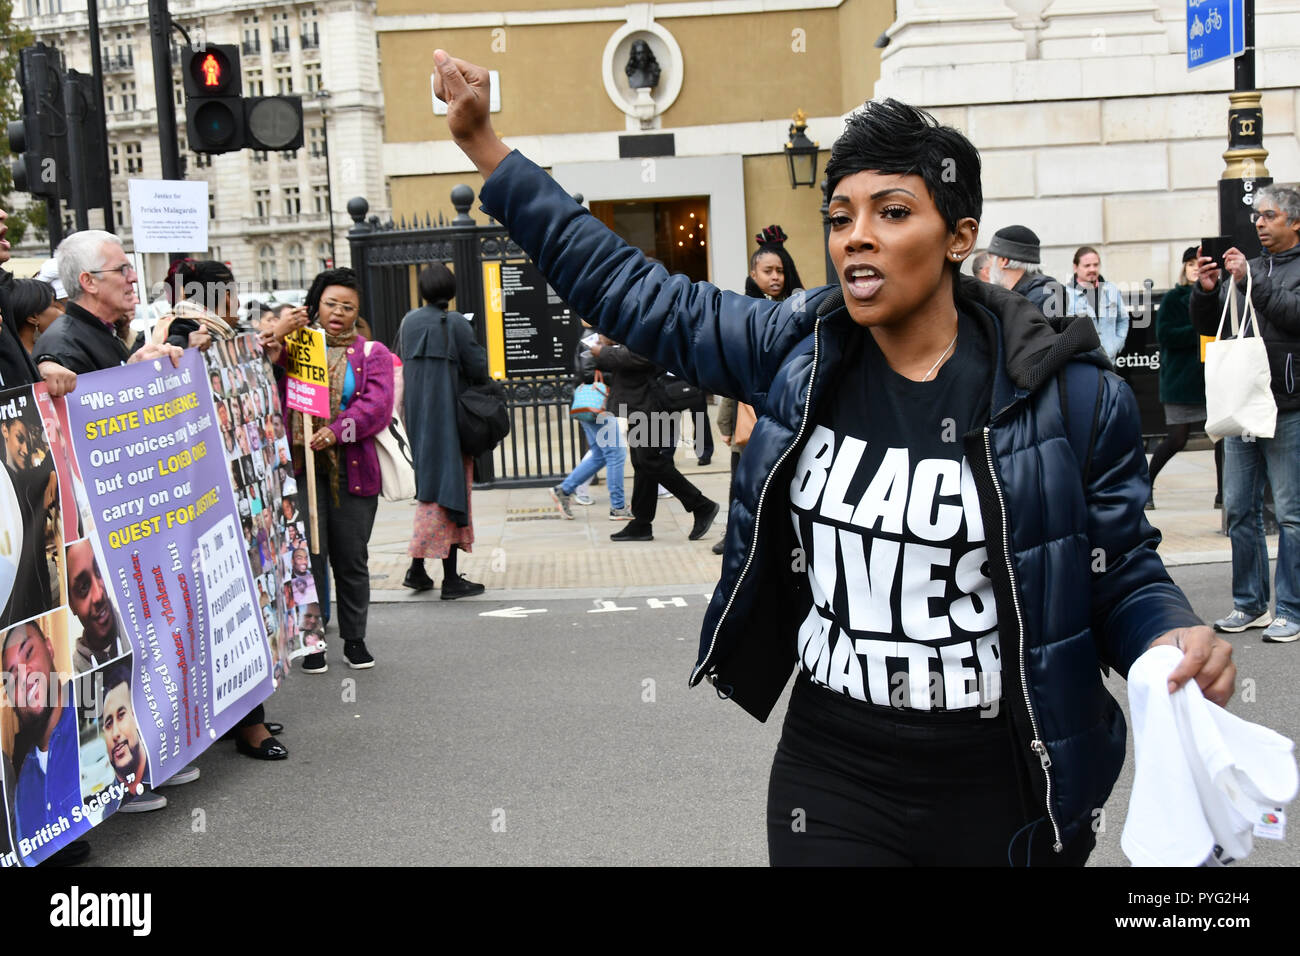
pixel 312 77
pixel 114 159
pixel 253 83
pixel 178 92
pixel 203 160
pixel 252 35
pixel 309 29
pixel 262 203
pixel 212 203
pixel 134 158
pixel 109 89
pixel 266 266
pixel 119 215
pixel 292 200
pixel 128 95
pixel 259 156
pixel 283 80
pixel 323 258
pixel 297 266
pixel 320 199
pixel 280 32
pixel 316 141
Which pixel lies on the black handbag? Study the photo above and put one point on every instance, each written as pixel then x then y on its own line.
pixel 482 419
pixel 673 394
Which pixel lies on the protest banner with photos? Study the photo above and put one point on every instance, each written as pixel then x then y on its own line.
pixel 135 627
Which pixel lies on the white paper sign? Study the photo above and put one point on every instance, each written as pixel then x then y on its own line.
pixel 494 95
pixel 169 215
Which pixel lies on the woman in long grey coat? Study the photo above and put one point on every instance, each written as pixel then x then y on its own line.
pixel 439 353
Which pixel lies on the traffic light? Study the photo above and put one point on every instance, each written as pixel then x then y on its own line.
pixel 86 145
pixel 214 106
pixel 220 120
pixel 273 122
pixel 40 138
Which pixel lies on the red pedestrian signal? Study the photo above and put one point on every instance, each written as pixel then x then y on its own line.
pixel 214 108
pixel 211 71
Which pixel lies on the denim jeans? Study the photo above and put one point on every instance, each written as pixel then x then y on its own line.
pixel 1247 465
pixel 606 449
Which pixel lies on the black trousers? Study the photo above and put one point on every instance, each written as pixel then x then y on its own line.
pixel 650 469
pixel 699 413
pixel 858 785
pixel 344 530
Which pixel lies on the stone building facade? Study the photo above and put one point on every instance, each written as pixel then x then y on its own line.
pixel 268 210
pixel 1091 128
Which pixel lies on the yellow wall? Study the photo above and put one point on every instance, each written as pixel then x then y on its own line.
pixel 745 68
pixel 417 195
pixel 388 8
pixel 769 199
pixel 550 80
pixel 551 75
pixel 860 23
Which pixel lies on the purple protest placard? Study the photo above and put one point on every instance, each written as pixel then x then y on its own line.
pixel 166 531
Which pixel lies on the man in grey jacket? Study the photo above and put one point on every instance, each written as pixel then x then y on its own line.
pixel 1249 462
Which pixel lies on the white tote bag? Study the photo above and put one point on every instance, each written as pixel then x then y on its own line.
pixel 1238 390
pixel 396 462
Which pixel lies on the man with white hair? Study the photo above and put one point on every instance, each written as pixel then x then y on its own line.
pixel 1015 265
pixel 99 280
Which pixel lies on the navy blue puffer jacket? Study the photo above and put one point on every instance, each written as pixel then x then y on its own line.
pixel 1077 580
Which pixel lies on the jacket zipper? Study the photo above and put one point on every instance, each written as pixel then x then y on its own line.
pixel 762 496
pixel 1036 745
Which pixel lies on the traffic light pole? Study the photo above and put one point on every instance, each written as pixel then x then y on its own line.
pixel 97 71
pixel 160 39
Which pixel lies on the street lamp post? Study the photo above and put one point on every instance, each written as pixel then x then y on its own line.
pixel 323 98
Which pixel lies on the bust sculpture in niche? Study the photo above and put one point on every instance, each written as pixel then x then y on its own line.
pixel 642 68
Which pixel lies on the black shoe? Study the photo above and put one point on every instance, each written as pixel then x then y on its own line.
pixel 78 851
pixel 704 516
pixel 358 657
pixel 633 532
pixel 705 460
pixel 1218 502
pixel 720 546
pixel 1151 502
pixel 268 749
pixel 459 587
pixel 417 579
pixel 315 664
pixel 271 726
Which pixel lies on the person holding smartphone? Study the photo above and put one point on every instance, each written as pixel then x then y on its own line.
pixel 1247 464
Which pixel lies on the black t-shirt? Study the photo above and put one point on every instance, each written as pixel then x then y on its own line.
pixel 888 523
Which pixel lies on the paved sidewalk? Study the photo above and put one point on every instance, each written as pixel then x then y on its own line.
pixel 524 549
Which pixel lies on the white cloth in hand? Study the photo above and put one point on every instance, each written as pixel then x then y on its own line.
pixel 1203 776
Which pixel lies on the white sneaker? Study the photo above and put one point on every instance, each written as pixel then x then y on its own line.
pixel 149 800
pixel 185 775
pixel 580 497
pixel 1282 631
pixel 664 492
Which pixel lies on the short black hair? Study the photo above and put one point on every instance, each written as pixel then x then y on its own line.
pixel 119 672
pixel 892 137
pixel 344 276
pixel 202 281
pixel 437 284
pixel 29 298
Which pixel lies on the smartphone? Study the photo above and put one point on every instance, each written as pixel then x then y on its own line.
pixel 1215 247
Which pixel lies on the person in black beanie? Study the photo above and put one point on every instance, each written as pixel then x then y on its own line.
pixel 1016 265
